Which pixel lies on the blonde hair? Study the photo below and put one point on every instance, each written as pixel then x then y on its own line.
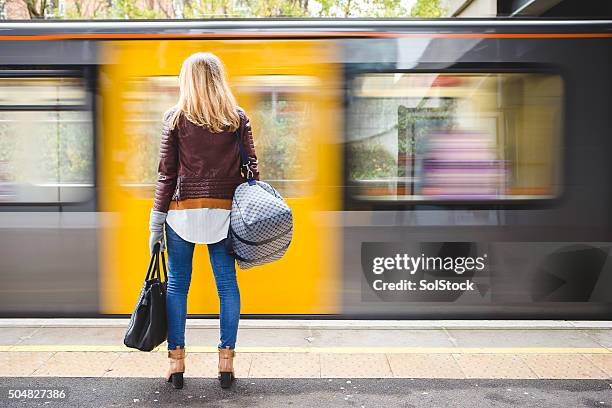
pixel 205 96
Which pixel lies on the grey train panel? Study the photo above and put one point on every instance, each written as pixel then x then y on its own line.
pixel 546 260
pixel 49 263
pixel 49 250
pixel 23 53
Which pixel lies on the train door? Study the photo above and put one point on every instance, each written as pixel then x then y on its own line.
pixel 47 192
pixel 287 89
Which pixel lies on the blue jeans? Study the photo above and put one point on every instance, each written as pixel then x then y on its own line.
pixel 180 255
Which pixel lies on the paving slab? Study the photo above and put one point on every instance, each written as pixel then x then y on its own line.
pixel 286 365
pixel 355 365
pixel 251 337
pixel 424 366
pixel 494 366
pixel 206 364
pixel 563 366
pixel 76 364
pixel 603 337
pixel 138 365
pixel 14 335
pixel 380 338
pixel 522 338
pixel 22 364
pixel 602 361
pixel 76 335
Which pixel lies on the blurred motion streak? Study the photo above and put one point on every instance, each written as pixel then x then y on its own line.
pixel 290 103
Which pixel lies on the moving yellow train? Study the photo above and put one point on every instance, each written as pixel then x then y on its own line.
pixel 443 138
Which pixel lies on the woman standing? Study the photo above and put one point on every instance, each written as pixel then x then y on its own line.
pixel 199 169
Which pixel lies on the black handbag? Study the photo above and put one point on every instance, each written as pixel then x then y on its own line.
pixel 148 326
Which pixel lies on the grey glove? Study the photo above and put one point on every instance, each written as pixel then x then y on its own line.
pixel 156 229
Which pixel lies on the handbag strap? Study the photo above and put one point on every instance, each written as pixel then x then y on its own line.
pixel 163 262
pixel 244 158
pixel 152 262
pixel 153 271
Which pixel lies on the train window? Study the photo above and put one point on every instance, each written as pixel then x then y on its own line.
pixel 46 141
pixel 454 136
pixel 41 91
pixel 146 100
pixel 281 121
pixel 279 115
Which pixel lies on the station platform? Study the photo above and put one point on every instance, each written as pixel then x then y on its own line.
pixel 349 356
pixel 319 349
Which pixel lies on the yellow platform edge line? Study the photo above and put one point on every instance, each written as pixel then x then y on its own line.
pixel 332 350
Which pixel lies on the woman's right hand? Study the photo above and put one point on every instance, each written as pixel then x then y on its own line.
pixel 156 230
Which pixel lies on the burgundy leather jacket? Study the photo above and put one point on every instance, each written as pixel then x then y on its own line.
pixel 196 163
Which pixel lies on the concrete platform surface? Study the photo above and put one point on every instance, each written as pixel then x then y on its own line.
pixel 317 349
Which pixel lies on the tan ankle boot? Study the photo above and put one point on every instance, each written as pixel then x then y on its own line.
pixel 226 366
pixel 177 367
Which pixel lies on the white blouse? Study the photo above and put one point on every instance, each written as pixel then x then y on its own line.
pixel 200 225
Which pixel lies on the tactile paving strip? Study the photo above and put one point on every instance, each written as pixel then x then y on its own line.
pixel 563 366
pixel 355 366
pixel 76 364
pixel 313 365
pixel 138 365
pixel 602 361
pixel 22 364
pixel 286 365
pixel 493 366
pixel 424 366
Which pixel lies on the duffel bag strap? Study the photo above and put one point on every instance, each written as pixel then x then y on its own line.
pixel 244 158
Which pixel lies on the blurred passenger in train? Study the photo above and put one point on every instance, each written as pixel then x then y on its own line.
pixel 199 169
pixel 6 186
pixel 462 164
